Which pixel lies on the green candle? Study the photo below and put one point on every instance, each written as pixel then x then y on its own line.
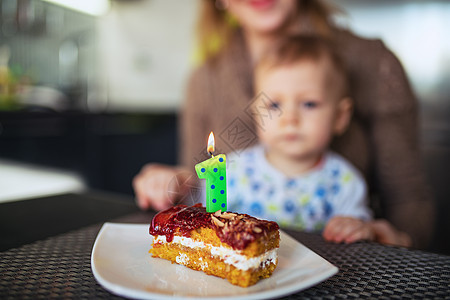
pixel 214 170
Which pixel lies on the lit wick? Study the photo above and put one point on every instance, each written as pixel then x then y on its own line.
pixel 210 147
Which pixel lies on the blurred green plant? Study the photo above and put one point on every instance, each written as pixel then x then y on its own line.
pixel 8 88
pixel 9 81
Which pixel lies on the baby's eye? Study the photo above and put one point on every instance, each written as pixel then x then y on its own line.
pixel 274 105
pixel 310 104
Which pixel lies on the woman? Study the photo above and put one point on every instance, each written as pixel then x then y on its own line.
pixel 382 138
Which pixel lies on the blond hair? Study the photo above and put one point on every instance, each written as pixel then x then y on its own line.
pixel 216 26
pixel 299 48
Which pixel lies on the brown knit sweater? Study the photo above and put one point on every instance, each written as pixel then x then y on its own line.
pixel 381 140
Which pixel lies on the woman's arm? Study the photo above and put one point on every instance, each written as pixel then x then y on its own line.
pixel 404 194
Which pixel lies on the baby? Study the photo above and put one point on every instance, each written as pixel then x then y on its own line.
pixel 291 176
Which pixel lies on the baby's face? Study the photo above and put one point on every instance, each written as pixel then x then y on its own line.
pixel 300 114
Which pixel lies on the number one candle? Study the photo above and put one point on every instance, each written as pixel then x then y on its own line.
pixel 215 172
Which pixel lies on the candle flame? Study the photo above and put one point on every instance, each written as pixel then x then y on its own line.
pixel 210 147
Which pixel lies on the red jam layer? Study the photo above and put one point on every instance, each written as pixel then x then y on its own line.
pixel 238 232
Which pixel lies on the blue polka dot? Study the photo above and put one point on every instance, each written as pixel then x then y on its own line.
pixel 221 159
pixel 203 170
pixel 222 192
pixel 213 186
pixel 289 206
pixel 249 171
pixel 214 200
pixel 335 188
pixel 256 208
pixel 290 183
pixel 335 172
pixel 328 209
pixel 232 182
pixel 320 192
pixel 221 177
pixel 255 186
pixel 223 204
pixel 215 169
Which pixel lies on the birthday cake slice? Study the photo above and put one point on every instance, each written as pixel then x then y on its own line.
pixel 237 247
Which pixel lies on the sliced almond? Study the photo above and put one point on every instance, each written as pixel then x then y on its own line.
pixel 217 221
pixel 257 229
pixel 218 213
pixel 228 216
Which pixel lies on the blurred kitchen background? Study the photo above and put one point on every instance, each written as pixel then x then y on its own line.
pixel 90 89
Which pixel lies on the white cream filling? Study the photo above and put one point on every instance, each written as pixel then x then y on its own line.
pixel 229 256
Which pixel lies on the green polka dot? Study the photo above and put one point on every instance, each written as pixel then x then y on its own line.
pixel 299 224
pixel 273 208
pixel 284 223
pixel 347 177
pixel 304 199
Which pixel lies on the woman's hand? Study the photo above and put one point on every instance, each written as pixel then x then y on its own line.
pixel 160 186
pixel 385 233
pixel 347 230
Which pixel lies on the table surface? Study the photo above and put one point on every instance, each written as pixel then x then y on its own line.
pixel 59 266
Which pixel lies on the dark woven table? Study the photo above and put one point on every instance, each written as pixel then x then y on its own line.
pixel 59 267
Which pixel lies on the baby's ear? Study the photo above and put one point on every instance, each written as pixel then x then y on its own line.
pixel 343 115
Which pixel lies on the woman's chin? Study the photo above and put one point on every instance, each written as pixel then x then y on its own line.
pixel 267 25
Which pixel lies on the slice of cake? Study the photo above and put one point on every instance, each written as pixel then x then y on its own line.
pixel 238 247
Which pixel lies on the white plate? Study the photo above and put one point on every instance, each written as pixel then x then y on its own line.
pixel 121 264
